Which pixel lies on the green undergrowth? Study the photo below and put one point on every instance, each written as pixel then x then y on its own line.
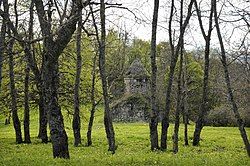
pixel 219 146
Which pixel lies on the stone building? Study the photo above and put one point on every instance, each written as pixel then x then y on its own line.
pixel 136 79
pixel 134 104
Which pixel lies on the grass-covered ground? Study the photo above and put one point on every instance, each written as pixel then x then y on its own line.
pixel 219 146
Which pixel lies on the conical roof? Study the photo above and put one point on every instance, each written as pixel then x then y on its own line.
pixel 136 69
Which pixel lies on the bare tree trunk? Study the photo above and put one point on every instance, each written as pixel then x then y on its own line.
pixel 178 110
pixel 76 124
pixel 185 121
pixel 228 83
pixel 15 118
pixel 154 112
pixel 204 103
pixel 165 119
pixel 90 125
pixel 101 42
pixel 184 101
pixel 174 58
pixel 43 114
pixel 7 119
pixel 179 90
pixel 2 43
pixel 26 120
pixel 16 121
pixel 58 134
pixel 2 49
pixel 43 121
pixel 178 104
pixel 107 114
pixel 93 103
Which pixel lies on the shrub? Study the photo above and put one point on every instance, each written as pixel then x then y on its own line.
pixel 224 116
pixel 221 116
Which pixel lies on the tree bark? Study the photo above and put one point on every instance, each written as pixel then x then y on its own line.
pixel 92 111
pixel 107 114
pixel 185 121
pixel 90 125
pixel 179 101
pixel 76 124
pixel 101 43
pixel 43 118
pixel 2 49
pixel 15 118
pixel 184 101
pixel 178 110
pixel 174 58
pixel 204 103
pixel 154 112
pixel 26 120
pixel 58 134
pixel 7 119
pixel 43 114
pixel 228 83
pixel 179 89
pixel 2 43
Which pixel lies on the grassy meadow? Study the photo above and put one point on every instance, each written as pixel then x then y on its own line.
pixel 219 146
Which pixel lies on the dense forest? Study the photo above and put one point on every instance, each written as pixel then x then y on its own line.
pixel 60 57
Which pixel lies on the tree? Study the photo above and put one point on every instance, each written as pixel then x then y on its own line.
pixel 76 124
pixel 93 104
pixel 140 49
pixel 174 58
pixel 52 50
pixel 2 44
pixel 154 113
pixel 115 59
pixel 204 103
pixel 26 119
pixel 228 82
pixel 15 118
pixel 179 102
pixel 110 134
pixel 107 114
pixel 184 101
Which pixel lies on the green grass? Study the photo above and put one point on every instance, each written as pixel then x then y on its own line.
pixel 219 146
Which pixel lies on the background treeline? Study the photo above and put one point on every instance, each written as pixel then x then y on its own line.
pixel 120 53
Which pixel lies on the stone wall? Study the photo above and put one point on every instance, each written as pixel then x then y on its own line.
pixel 134 109
pixel 136 85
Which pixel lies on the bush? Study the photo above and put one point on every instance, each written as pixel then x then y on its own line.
pixel 224 116
pixel 245 114
pixel 221 116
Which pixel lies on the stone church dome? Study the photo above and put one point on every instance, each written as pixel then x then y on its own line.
pixel 136 70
